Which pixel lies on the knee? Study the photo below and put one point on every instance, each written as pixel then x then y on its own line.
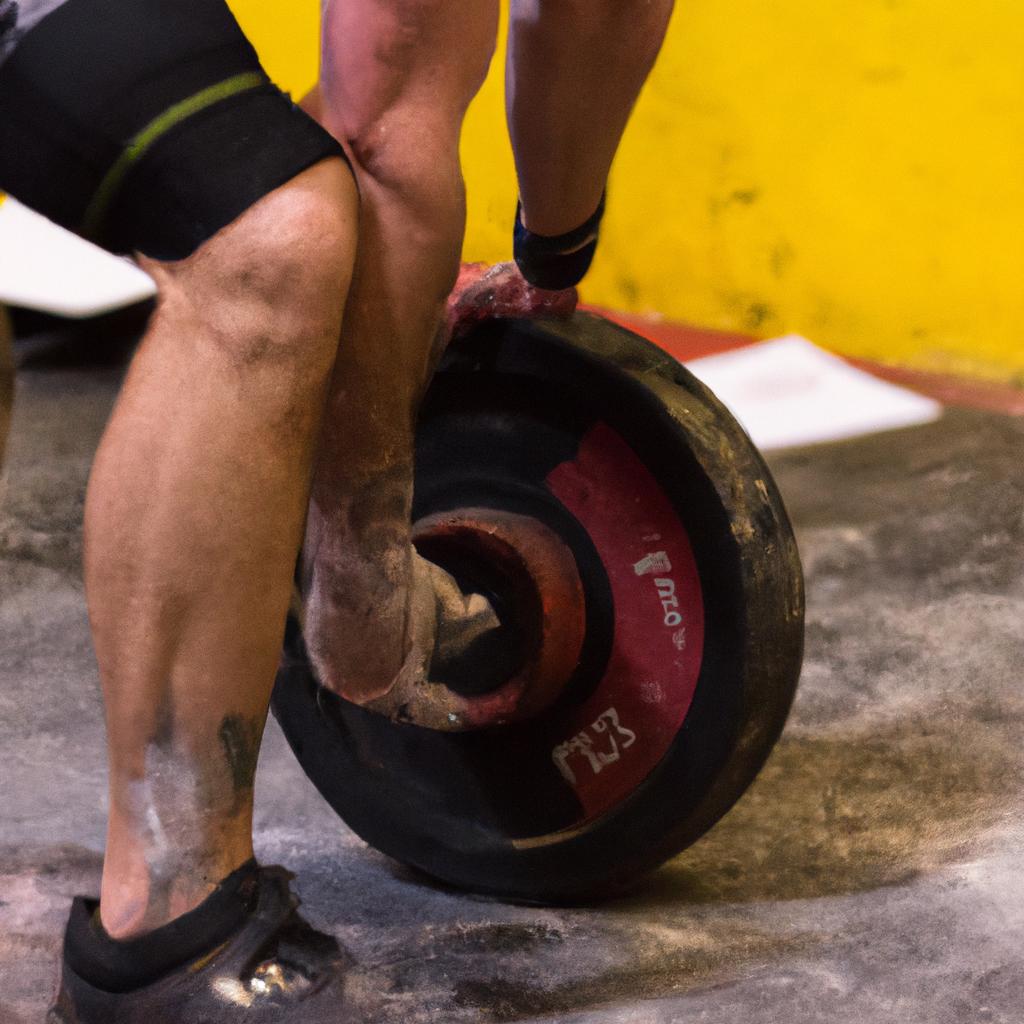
pixel 403 148
pixel 409 160
pixel 409 171
pixel 270 288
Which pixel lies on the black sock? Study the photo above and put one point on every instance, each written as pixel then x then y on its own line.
pixel 120 966
pixel 556 261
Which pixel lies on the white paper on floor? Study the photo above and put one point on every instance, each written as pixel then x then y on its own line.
pixel 790 392
pixel 42 266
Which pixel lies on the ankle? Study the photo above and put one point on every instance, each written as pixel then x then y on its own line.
pixel 136 899
pixel 127 914
pixel 119 964
pixel 577 218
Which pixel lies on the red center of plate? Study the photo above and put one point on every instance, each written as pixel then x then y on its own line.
pixel 614 740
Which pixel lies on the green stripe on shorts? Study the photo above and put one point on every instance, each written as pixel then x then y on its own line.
pixel 155 130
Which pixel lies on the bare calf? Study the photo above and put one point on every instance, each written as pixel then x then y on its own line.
pixel 193 521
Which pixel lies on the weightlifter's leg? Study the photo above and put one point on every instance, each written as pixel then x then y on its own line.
pixel 193 520
pixel 574 71
pixel 395 83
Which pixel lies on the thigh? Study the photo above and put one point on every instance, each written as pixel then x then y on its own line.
pixel 146 124
pixel 425 57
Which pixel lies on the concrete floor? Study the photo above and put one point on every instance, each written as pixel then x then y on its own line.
pixel 874 873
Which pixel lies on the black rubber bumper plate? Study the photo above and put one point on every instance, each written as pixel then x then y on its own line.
pixel 694 609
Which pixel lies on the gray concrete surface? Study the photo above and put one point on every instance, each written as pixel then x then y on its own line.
pixel 873 873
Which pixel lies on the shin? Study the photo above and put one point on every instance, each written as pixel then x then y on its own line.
pixel 574 71
pixel 194 515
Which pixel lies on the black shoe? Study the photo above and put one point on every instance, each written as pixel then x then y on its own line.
pixel 556 262
pixel 273 969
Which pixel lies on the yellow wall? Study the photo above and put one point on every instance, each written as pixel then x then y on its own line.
pixel 853 170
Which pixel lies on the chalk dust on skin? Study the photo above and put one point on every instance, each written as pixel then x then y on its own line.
pixel 171 803
pixel 165 810
pixel 183 812
pixel 359 570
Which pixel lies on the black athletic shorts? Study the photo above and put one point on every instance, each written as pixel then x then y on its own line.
pixel 146 124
